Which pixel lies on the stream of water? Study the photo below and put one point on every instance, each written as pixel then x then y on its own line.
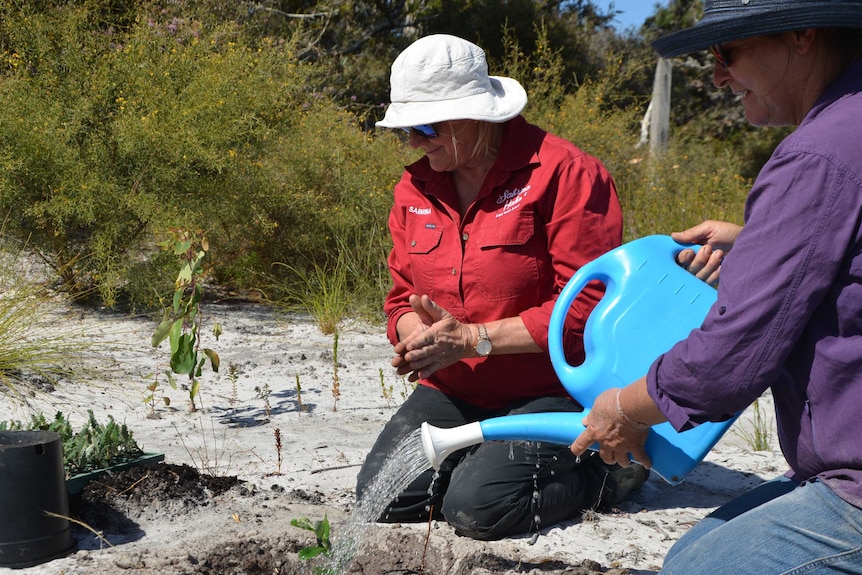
pixel 403 466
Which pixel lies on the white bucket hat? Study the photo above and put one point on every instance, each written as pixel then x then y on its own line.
pixel 442 77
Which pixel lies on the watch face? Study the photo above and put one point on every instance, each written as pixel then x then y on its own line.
pixel 483 347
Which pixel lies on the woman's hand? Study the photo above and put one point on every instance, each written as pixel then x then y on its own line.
pixel 716 238
pixel 437 341
pixel 621 436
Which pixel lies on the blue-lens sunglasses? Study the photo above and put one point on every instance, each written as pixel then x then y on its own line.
pixel 423 131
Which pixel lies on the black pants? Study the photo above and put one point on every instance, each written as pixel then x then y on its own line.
pixel 494 489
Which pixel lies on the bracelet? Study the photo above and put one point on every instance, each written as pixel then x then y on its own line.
pixel 625 417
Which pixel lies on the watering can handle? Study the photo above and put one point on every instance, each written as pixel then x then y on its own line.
pixel 621 271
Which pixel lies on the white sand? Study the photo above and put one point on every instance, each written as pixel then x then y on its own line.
pixel 323 444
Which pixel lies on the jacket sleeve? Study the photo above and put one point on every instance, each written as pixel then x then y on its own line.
pixel 801 218
pixel 397 303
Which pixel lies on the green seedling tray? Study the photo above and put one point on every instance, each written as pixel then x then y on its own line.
pixel 76 483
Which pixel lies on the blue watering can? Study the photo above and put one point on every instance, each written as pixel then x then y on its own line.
pixel 650 303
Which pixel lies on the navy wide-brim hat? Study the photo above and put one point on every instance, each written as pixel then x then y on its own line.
pixel 726 20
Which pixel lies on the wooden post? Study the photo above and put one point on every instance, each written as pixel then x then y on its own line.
pixel 659 123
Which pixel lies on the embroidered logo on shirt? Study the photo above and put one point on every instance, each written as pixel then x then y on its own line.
pixel 511 199
pixel 419 211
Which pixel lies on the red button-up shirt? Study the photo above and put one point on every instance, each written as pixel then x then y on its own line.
pixel 545 209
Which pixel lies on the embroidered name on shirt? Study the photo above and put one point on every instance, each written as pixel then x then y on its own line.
pixel 511 199
pixel 419 211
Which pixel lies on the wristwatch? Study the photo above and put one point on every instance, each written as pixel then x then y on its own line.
pixel 483 344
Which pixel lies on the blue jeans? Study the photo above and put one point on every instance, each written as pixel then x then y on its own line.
pixel 778 528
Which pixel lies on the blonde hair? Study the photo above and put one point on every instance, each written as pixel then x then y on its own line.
pixel 486 145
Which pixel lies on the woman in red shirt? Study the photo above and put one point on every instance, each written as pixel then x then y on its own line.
pixel 487 228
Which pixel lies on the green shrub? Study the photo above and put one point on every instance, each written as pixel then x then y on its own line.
pixel 111 138
pixel 30 346
pixel 120 125
pixel 691 182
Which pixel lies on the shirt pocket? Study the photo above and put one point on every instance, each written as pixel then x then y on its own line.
pixel 507 266
pixel 423 247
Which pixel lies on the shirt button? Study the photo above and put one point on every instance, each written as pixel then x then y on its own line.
pixel 454 272
pixel 413 244
pixel 465 236
pixel 721 310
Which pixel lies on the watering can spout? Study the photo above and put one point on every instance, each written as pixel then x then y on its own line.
pixel 559 428
pixel 439 443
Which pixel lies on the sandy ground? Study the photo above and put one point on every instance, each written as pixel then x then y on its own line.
pixel 284 370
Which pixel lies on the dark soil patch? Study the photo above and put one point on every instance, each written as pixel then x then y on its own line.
pixel 113 504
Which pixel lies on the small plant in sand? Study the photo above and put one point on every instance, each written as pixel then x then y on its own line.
pixel 182 321
pixel 233 377
pixel 405 388
pixel 323 544
pixel 262 392
pixel 209 456
pixel 278 449
pixel 336 384
pixel 387 391
pixel 299 405
pixel 759 437
pixel 151 394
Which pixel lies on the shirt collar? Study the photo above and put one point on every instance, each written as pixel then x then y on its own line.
pixel 850 82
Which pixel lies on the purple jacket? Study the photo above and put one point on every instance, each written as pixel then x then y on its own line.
pixel 789 310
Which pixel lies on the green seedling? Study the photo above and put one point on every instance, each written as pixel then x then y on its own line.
pixel 387 391
pixel 181 322
pixel 262 393
pixel 321 533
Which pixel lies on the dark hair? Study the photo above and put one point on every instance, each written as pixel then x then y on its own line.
pixel 844 41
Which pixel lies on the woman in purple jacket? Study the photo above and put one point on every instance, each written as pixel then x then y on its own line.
pixel 789 310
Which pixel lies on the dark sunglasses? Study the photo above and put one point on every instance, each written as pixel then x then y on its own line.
pixel 423 131
pixel 720 55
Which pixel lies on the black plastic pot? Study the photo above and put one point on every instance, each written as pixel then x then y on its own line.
pixel 32 487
